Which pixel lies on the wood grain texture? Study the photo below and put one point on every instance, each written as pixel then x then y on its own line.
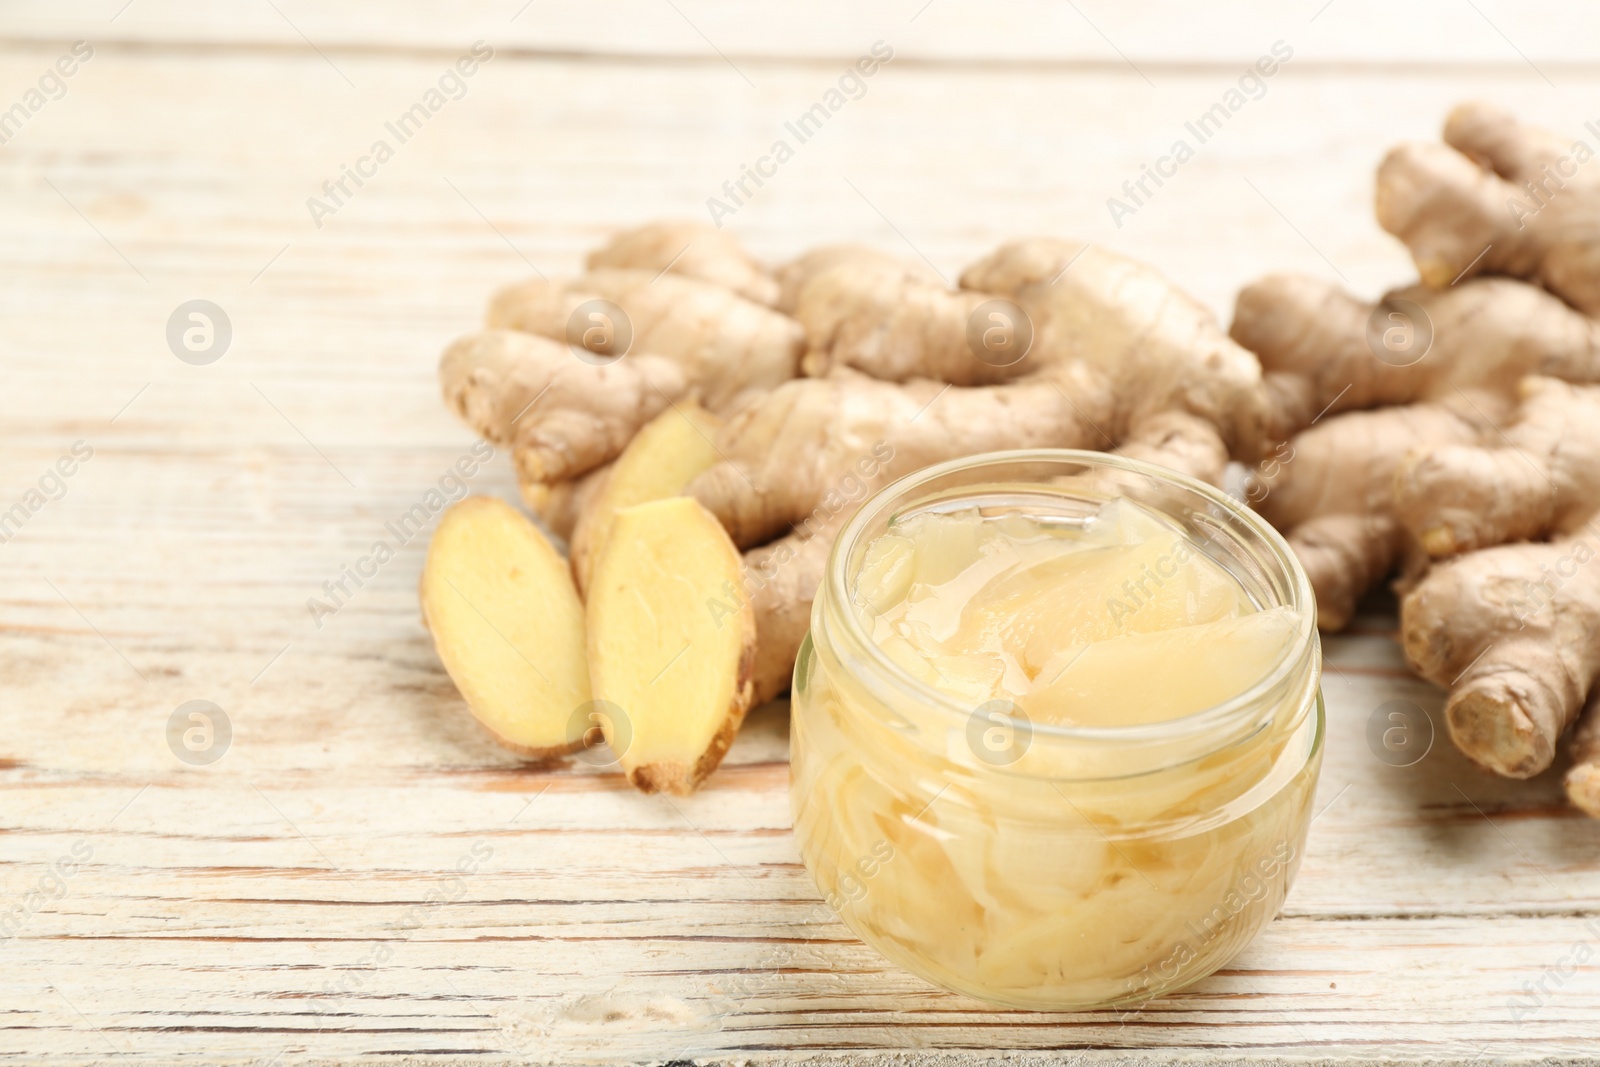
pixel 1543 35
pixel 300 899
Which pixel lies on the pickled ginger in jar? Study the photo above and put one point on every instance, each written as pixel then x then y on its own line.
pixel 1057 728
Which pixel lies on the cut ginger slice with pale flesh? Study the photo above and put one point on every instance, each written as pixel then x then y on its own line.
pixel 508 626
pixel 669 662
pixel 661 459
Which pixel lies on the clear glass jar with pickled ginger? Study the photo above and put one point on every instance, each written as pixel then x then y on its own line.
pixel 1057 727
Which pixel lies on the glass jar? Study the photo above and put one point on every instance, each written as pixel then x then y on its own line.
pixel 1037 865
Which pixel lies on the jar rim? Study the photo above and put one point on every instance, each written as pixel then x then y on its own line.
pixel 1300 599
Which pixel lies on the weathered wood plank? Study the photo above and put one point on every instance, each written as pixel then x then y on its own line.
pixel 1547 33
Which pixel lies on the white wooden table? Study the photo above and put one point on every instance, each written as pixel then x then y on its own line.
pixel 299 898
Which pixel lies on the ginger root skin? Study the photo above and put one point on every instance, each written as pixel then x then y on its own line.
pixel 1498 197
pixel 794 277
pixel 1158 348
pixel 1511 631
pixel 1153 348
pixel 726 348
pixel 1331 494
pixel 1354 416
pixel 781 580
pixel 565 410
pixel 813 444
pixel 692 249
pixel 1319 346
pixel 1536 476
pixel 560 416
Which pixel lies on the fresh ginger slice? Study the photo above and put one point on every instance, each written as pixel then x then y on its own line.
pixel 665 649
pixel 661 459
pixel 508 626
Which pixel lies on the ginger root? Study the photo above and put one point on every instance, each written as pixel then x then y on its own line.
pixel 1478 451
pixel 1498 197
pixel 692 249
pixel 566 382
pixel 1331 494
pixel 560 416
pixel 1324 352
pixel 793 278
pixel 1449 379
pixel 508 626
pixel 724 345
pixel 1536 476
pixel 813 440
pixel 1033 306
pixel 671 667
pixel 1512 631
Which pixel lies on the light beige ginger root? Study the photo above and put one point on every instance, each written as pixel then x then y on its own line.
pixel 1536 476
pixel 565 407
pixel 692 249
pixel 795 276
pixel 725 345
pixel 1153 349
pixel 1512 631
pixel 879 316
pixel 1437 367
pixel 813 437
pixel 1330 493
pixel 1119 357
pixel 781 580
pixel 660 460
pixel 1324 351
pixel 560 499
pixel 561 417
pixel 671 676
pixel 508 626
pixel 1463 455
pixel 1498 197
